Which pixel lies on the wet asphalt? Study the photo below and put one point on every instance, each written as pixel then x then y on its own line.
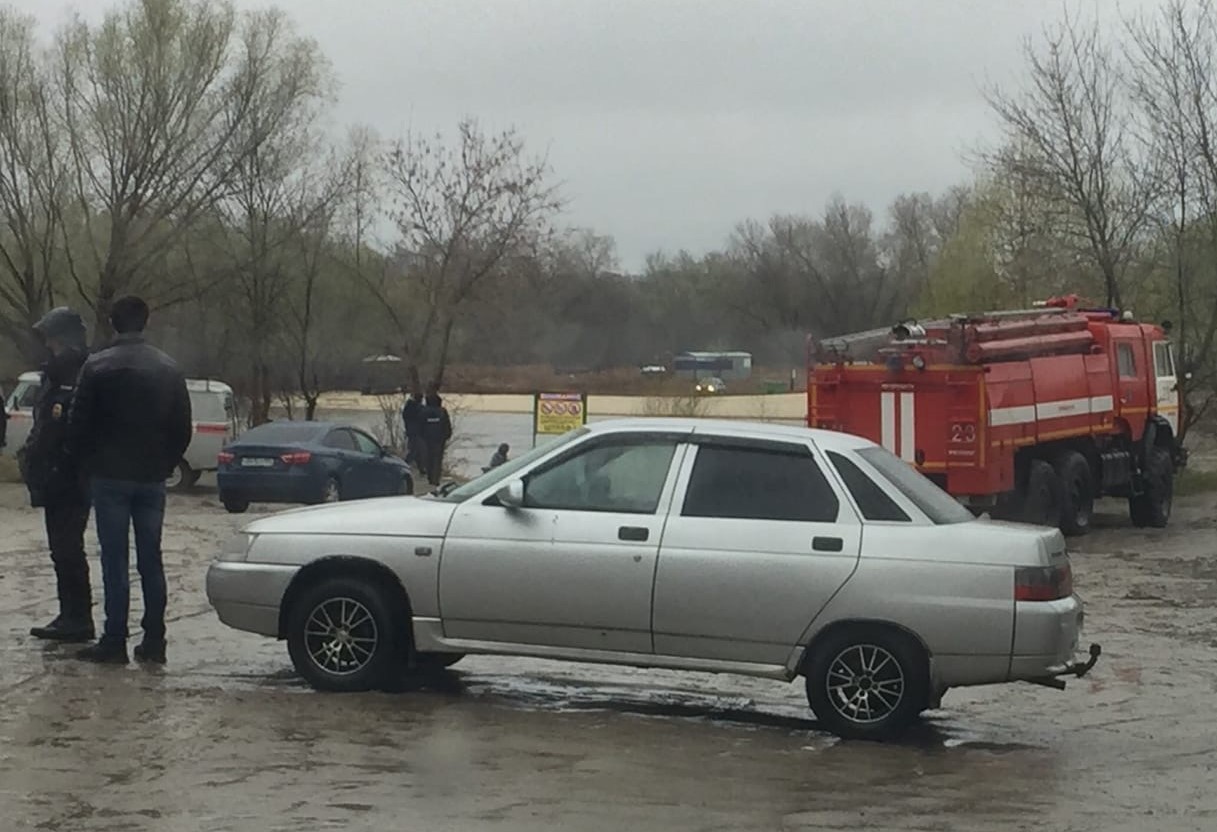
pixel 225 737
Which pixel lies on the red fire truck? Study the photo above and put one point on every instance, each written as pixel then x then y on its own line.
pixel 1026 414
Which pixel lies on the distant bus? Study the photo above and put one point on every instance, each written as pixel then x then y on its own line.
pixel 730 366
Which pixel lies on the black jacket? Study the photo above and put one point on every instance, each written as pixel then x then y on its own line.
pixel 50 474
pixel 436 423
pixel 130 417
pixel 411 416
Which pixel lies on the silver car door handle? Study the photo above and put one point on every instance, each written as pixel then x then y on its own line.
pixel 637 534
pixel 828 544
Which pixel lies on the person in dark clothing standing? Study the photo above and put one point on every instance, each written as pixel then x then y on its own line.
pixel 55 483
pixel 3 419
pixel 130 423
pixel 412 423
pixel 436 431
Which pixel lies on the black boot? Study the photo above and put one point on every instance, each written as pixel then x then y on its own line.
pixel 46 631
pixel 105 652
pixel 65 629
pixel 150 651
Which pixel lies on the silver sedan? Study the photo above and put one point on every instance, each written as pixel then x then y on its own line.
pixel 690 544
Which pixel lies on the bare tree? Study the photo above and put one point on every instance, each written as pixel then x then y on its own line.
pixel 460 212
pixel 1071 124
pixel 1174 67
pixel 319 285
pixel 160 104
pixel 277 192
pixel 919 226
pixel 306 314
pixel 772 290
pixel 824 275
pixel 31 184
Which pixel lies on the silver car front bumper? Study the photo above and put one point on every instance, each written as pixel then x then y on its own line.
pixel 247 596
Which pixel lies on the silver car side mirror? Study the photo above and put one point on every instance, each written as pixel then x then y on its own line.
pixel 511 495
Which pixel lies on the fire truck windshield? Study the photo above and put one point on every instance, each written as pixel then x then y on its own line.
pixel 936 504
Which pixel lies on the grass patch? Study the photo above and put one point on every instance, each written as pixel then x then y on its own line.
pixel 8 470
pixel 675 406
pixel 1192 481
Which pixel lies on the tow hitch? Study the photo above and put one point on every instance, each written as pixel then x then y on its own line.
pixel 1075 669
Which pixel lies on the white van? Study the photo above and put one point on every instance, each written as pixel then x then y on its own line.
pixel 215 425
pixel 211 404
pixel 20 409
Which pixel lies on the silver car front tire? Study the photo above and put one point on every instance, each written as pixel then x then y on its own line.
pixel 344 635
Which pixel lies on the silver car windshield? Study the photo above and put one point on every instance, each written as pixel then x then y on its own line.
pixel 936 504
pixel 505 471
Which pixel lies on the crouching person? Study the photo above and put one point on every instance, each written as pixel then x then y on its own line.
pixel 55 483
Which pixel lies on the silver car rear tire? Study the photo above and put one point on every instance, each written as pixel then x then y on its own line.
pixel 867 682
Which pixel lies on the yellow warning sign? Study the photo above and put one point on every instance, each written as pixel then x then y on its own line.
pixel 555 413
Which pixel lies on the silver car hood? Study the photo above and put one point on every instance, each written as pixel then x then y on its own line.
pixel 410 516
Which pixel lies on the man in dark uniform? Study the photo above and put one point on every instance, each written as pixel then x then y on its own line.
pixel 436 431
pixel 54 482
pixel 412 422
pixel 3 419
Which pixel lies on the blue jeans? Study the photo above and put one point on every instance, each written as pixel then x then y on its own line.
pixel 120 506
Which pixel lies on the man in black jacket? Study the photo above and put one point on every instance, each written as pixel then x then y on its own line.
pixel 436 431
pixel 412 422
pixel 129 426
pixel 54 482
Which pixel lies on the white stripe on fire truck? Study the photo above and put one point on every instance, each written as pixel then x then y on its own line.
pixel 908 431
pixel 1026 414
pixel 887 414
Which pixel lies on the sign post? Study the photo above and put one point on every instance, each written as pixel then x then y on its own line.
pixel 556 413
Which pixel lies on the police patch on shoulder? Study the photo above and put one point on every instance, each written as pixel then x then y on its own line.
pixel 57 411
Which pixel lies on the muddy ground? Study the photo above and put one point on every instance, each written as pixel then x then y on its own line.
pixel 225 737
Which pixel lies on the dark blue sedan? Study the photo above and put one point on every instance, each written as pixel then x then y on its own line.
pixel 307 462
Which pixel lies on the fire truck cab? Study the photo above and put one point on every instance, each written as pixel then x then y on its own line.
pixel 1028 414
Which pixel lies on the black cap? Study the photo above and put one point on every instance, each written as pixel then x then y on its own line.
pixel 62 324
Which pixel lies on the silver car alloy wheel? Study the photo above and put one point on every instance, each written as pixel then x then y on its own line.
pixel 341 636
pixel 175 480
pixel 865 683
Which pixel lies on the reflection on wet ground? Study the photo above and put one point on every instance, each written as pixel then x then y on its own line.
pixel 226 737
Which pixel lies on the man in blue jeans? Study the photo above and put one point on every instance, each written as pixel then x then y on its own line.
pixel 129 425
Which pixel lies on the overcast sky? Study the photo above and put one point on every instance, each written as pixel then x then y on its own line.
pixel 668 121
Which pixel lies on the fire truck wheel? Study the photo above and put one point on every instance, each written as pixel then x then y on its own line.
pixel 1152 507
pixel 1042 499
pixel 1077 491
